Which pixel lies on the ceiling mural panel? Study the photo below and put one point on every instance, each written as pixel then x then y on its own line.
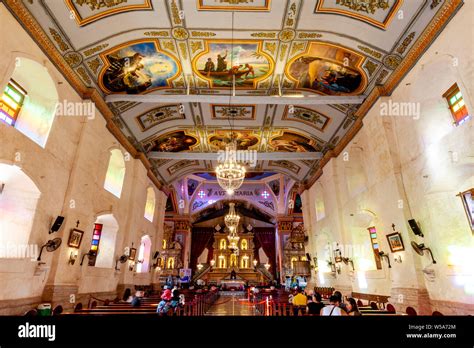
pixel 234 5
pixel 375 12
pixel 172 142
pixel 328 69
pixel 237 112
pixel 245 139
pixel 137 67
pixel 308 116
pixel 171 48
pixel 87 11
pixel 223 62
pixel 158 115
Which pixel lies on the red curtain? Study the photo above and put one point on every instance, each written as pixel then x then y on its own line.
pixel 257 245
pixel 266 238
pixel 200 237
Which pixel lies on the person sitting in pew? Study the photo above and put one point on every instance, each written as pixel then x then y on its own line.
pixel 315 305
pixel 334 308
pixel 165 305
pixel 343 306
pixel 299 301
pixel 352 307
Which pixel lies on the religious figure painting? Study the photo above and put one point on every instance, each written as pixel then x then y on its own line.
pixel 137 68
pixel 223 61
pixel 172 142
pixel 245 139
pixel 328 69
pixel 294 142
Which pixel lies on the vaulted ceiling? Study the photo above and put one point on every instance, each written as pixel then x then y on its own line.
pixel 306 71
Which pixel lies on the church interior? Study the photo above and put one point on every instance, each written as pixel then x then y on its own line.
pixel 236 158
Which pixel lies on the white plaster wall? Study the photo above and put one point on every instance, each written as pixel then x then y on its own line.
pixel 410 161
pixel 70 173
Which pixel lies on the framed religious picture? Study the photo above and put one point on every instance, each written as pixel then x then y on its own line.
pixel 468 202
pixel 395 241
pixel 75 238
pixel 133 254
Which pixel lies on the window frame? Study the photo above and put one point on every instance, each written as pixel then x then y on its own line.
pixel 15 86
pixel 453 91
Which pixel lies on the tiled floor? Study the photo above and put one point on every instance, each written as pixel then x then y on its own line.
pixel 231 305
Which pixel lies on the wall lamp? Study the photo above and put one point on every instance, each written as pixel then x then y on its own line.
pixel 89 255
pixel 72 258
pixel 347 260
pixel 382 255
pixel 2 186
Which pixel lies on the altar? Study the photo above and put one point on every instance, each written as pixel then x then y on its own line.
pixel 233 283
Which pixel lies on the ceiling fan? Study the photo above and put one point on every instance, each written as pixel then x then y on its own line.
pixel 121 259
pixel 420 249
pixel 51 245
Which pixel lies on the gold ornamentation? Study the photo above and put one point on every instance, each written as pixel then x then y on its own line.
pixel 309 35
pixel 287 35
pixel 82 72
pixel 283 52
pixel 265 35
pixel 184 50
pixel 435 3
pixel 406 42
pixel 381 77
pixel 179 83
pixel 392 61
pixel 297 47
pixel 196 46
pixel 179 33
pixel 370 66
pixel 168 45
pixel 369 6
pixel 174 91
pixel 98 4
pixel 202 84
pixel 264 84
pixel 95 49
pixel 370 51
pixel 234 6
pixel 175 11
pixel 196 33
pixel 63 46
pixel 73 59
pixel 163 33
pixel 270 47
pixel 291 15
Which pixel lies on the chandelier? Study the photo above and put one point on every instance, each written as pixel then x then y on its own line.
pixel 232 222
pixel 230 175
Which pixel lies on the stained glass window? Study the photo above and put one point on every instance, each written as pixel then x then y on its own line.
pixel 11 102
pixel 456 104
pixel 95 243
pixel 375 246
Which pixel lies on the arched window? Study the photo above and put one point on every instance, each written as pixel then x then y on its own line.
pixel 244 244
pixel 30 109
pixel 150 204
pixel 222 244
pixel 18 200
pixel 115 173
pixel 106 244
pixel 144 255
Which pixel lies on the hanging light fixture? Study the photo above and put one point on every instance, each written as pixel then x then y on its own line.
pixel 232 222
pixel 230 175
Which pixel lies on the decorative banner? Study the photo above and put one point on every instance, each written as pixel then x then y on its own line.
pixel 185 275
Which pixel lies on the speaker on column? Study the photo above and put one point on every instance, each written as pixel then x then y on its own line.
pixel 57 224
pixel 415 228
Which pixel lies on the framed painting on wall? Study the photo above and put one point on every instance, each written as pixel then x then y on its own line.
pixel 75 238
pixel 395 241
pixel 133 253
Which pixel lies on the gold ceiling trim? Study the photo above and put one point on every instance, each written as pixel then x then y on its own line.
pixel 83 21
pixel 382 25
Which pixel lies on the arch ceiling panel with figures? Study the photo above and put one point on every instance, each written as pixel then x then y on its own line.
pixel 306 71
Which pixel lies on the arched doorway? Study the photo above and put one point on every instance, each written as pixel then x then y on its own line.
pixel 105 256
pixel 144 255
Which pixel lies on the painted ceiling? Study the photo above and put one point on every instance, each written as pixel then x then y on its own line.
pixel 177 47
